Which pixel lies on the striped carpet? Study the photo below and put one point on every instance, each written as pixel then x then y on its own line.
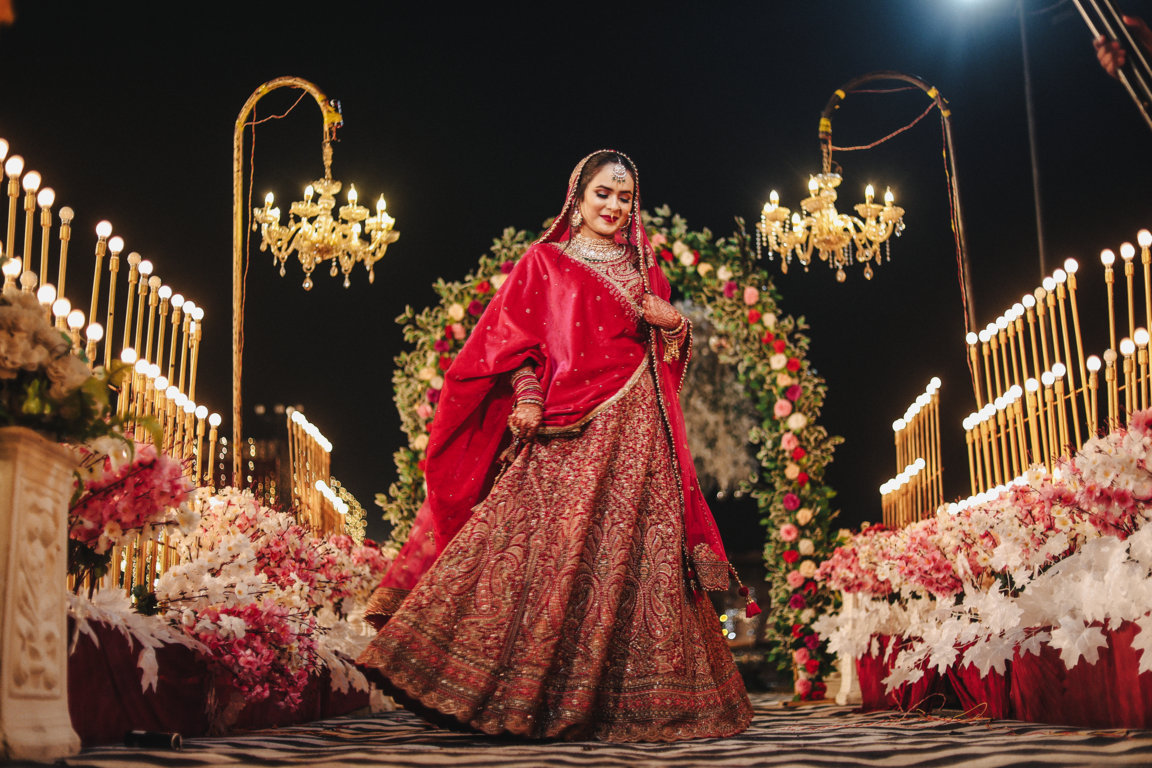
pixel 814 735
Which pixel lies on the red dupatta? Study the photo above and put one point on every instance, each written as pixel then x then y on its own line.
pixel 540 315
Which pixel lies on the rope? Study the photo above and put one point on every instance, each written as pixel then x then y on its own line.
pixel 892 135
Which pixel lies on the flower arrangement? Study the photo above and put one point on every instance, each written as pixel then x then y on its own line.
pixel 117 497
pixel 45 384
pixel 1049 561
pixel 768 350
pixel 265 599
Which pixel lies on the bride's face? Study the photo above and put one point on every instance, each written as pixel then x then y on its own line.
pixel 606 203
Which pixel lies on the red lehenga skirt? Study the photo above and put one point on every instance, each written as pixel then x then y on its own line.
pixel 562 610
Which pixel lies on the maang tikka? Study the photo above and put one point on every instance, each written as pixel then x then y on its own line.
pixel 619 173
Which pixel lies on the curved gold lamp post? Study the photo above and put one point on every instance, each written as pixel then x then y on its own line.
pixel 840 239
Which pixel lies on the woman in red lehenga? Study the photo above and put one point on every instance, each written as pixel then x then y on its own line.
pixel 553 583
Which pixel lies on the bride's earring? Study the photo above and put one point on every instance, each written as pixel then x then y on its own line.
pixel 576 220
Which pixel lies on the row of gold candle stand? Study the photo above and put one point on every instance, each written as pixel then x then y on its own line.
pixel 1037 398
pixel 310 459
pixel 918 488
pixel 161 385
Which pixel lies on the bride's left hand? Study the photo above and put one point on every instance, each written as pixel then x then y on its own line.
pixel 659 313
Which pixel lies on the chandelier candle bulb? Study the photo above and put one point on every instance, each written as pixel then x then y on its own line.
pixel 201 415
pixel 66 216
pixel 60 309
pixel 44 199
pixel 1127 253
pixel 75 323
pixel 1031 387
pixel 128 357
pixel 13 167
pixel 103 232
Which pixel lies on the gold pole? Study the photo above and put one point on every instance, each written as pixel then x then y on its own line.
pixel 1127 349
pixel 154 283
pixel 974 367
pixel 145 269
pixel 1021 431
pixel 1108 258
pixel 1093 384
pixel 177 303
pixel 185 342
pixel 45 199
pixel 197 329
pixel 1035 430
pixel 165 293
pixel 66 215
pixel 971 461
pixel 1127 253
pixel 994 347
pixel 1061 298
pixel 332 120
pixel 1061 415
pixel 1047 426
pixel 13 166
pixel 1029 303
pixel 1042 309
pixel 1113 392
pixel 985 351
pixel 1071 266
pixel 103 232
pixel 31 182
pixel 115 246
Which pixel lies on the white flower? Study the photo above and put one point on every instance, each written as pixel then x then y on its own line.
pixel 807 568
pixel 67 373
pixel 687 257
pixel 498 280
pixel 724 274
pixel 791 471
pixel 679 249
pixel 703 268
pixel 1074 639
pixel 777 361
pixel 437 382
pixel 797 421
pixel 803 516
pixel 784 380
pixel 805 547
pixel 420 442
pixel 456 311
pixel 769 320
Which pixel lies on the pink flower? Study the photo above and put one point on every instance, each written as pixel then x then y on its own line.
pixel 789 532
pixel 782 409
pixel 751 295
pixel 797 602
pixel 506 267
pixel 475 308
pixel 424 411
pixel 795 580
pixel 800 655
pixel 812 641
pixel 433 395
pixel 793 392
pixel 458 331
pixel 658 240
pixel 791 502
pixel 803 687
pixel 730 289
pixel 789 441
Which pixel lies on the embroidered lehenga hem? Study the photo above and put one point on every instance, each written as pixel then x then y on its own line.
pixel 563 609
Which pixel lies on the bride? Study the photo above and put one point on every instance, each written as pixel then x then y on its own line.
pixel 554 582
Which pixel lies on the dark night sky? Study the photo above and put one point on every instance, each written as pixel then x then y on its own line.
pixel 469 121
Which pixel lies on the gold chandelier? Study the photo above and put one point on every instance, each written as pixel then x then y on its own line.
pixel 837 238
pixel 352 237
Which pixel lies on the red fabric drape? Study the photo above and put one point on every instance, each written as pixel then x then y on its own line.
pixel 923 695
pixel 1107 694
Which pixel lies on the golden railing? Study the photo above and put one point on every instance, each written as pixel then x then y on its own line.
pixel 918 488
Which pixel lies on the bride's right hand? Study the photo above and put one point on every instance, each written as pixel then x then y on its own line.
pixel 525 420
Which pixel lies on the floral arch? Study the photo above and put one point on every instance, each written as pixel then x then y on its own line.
pixel 720 276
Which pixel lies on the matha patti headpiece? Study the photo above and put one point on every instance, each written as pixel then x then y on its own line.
pixel 619 172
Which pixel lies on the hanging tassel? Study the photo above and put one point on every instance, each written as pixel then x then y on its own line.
pixel 751 609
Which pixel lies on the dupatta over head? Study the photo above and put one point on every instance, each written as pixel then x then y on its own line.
pixel 469 431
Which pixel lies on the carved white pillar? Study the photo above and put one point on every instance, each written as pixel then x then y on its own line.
pixel 35 485
pixel 849 683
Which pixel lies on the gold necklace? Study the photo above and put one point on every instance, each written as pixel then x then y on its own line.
pixel 595 250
